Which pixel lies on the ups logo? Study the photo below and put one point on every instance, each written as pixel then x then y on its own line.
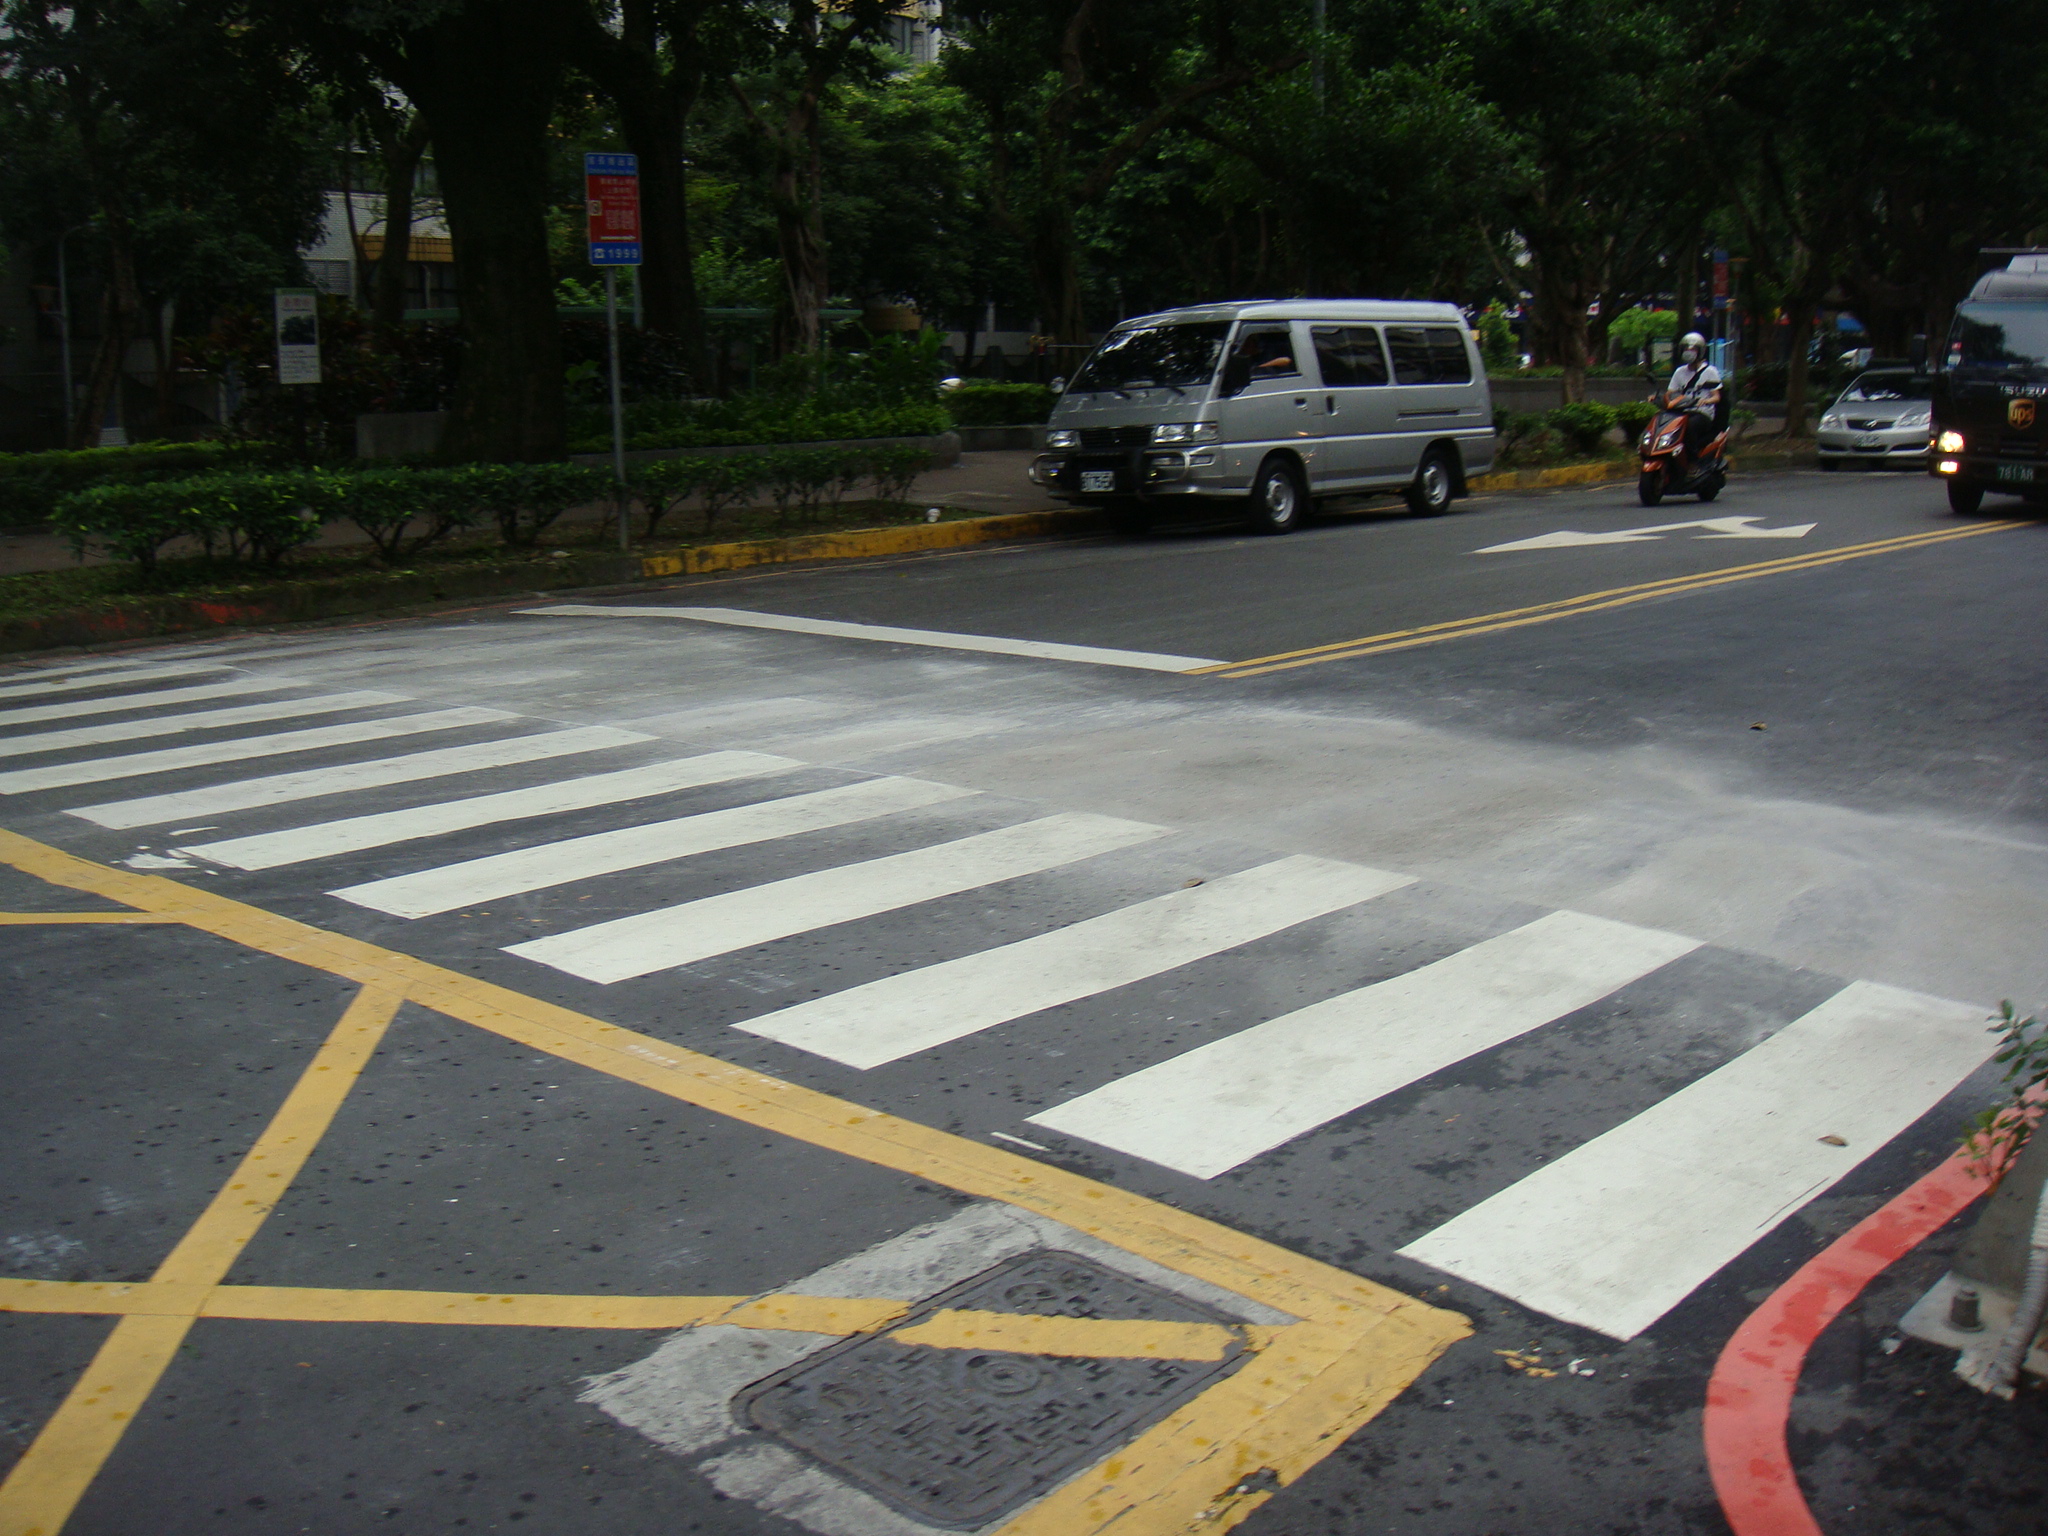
pixel 2020 413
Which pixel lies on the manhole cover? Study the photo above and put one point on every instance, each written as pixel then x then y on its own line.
pixel 960 1437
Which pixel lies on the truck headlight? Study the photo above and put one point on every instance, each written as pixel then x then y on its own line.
pixel 1185 432
pixel 1061 437
pixel 1950 442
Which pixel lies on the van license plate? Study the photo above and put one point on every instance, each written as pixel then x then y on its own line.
pixel 2016 472
pixel 1098 479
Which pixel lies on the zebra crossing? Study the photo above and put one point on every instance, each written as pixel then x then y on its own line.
pixel 1611 1234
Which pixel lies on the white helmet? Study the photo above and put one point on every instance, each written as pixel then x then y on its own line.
pixel 1692 347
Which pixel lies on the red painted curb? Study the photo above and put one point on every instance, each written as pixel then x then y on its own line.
pixel 1750 1395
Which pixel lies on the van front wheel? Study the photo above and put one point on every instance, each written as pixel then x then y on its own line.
pixel 1279 499
pixel 1429 495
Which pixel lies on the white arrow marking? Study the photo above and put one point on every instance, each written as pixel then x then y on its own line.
pixel 1717 528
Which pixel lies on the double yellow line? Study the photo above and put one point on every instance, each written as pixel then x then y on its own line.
pixel 1587 602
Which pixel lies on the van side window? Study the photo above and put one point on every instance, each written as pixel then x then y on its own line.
pixel 1349 355
pixel 1411 355
pixel 1268 350
pixel 1452 363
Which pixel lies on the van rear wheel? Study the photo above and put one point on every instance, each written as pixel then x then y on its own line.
pixel 1429 494
pixel 1279 499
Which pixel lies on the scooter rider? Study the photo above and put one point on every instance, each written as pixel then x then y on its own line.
pixel 1696 389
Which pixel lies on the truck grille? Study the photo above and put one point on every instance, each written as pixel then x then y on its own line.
pixel 1098 438
pixel 2013 446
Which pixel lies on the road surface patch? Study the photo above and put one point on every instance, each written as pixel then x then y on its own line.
pixel 1587 602
pixel 1334 1351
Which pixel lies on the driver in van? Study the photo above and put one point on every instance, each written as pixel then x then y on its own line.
pixel 1699 383
pixel 1265 352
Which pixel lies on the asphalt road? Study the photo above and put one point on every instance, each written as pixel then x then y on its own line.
pixel 1639 846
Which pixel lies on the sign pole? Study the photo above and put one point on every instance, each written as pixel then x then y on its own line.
pixel 611 330
pixel 611 190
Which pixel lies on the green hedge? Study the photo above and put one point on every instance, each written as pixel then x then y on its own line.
pixel 261 516
pixel 797 480
pixel 984 403
pixel 32 484
pixel 750 419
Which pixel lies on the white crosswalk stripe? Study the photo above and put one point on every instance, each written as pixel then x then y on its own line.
pixel 345 778
pixel 194 720
pixel 449 886
pixel 98 770
pixel 1609 1235
pixel 886 1020
pixel 716 925
pixel 297 845
pixel 1617 1232
pixel 82 679
pixel 1224 1103
pixel 162 696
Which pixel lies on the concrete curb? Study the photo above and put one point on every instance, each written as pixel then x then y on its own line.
pixel 379 592
pixel 1617 469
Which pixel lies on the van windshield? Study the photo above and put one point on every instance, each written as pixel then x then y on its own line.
pixel 1999 339
pixel 1154 357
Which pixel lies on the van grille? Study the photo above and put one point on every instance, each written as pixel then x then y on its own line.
pixel 1115 437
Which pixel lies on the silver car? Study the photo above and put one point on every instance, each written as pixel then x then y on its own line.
pixel 1271 405
pixel 1882 418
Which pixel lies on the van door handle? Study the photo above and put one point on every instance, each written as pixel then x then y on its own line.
pixel 1329 405
pixel 1301 402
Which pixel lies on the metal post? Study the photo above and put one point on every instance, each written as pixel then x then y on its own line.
pixel 611 331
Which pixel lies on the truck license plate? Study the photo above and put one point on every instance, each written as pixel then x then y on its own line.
pixel 1098 479
pixel 2016 472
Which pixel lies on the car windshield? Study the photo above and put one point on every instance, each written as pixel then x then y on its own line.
pixel 1153 357
pixel 1999 339
pixel 1889 386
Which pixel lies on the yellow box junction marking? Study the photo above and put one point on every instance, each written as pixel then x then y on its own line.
pixel 1303 1389
pixel 1585 602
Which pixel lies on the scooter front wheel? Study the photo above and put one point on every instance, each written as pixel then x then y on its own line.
pixel 1650 487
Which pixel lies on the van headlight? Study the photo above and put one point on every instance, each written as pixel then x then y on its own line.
pixel 1949 442
pixel 1186 432
pixel 1062 437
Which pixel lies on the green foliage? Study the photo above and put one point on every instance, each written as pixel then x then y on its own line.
pixel 1497 337
pixel 1632 416
pixel 1583 424
pixel 32 484
pixel 389 504
pixel 802 482
pixel 1633 328
pixel 1996 1135
pixel 979 403
pixel 130 521
pixel 525 499
pixel 899 368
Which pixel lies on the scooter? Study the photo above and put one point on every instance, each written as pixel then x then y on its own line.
pixel 1666 470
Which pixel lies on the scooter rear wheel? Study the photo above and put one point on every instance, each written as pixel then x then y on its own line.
pixel 1650 488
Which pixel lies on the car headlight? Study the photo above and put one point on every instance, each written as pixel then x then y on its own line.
pixel 1061 437
pixel 1185 432
pixel 1950 442
pixel 1831 420
pixel 1912 419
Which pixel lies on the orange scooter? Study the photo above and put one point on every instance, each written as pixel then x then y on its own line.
pixel 1666 470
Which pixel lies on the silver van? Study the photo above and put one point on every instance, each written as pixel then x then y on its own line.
pixel 1275 403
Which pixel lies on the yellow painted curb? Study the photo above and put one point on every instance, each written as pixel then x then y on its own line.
pixel 865 542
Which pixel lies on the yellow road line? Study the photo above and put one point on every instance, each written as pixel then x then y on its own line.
pixel 1586 602
pixel 82 917
pixel 1310 1385
pixel 1020 1333
pixel 53 1474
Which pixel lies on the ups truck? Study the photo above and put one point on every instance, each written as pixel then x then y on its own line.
pixel 1990 419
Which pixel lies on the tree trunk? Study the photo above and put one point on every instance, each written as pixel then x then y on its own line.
pixel 1796 366
pixel 1056 277
pixel 485 78
pixel 799 241
pixel 120 308
pixel 401 169
pixel 654 128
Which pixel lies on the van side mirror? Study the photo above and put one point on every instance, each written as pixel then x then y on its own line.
pixel 1919 352
pixel 1237 372
pixel 1058 385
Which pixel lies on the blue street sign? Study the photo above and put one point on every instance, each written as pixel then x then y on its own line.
pixel 614 254
pixel 611 190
